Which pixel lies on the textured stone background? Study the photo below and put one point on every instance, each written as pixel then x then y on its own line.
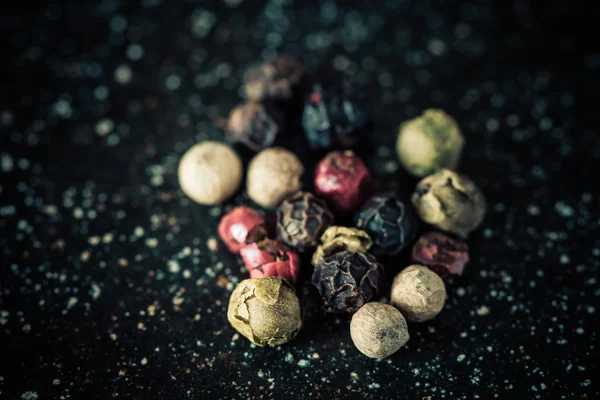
pixel 110 283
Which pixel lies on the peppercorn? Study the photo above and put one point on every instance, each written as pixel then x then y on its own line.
pixel 265 310
pixel 274 80
pixel 210 172
pixel 271 258
pixel 378 330
pixel 340 238
pixel 241 226
pixel 273 175
pixel 347 280
pixel 419 293
pixel 389 222
pixel 441 253
pixel 335 115
pixel 343 180
pixel 254 124
pixel 301 220
pixel 429 143
pixel 450 202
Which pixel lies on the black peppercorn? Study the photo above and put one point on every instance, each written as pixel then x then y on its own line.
pixel 301 220
pixel 335 115
pixel 389 222
pixel 347 280
pixel 254 124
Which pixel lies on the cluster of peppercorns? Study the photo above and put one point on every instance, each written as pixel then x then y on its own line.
pixel 347 274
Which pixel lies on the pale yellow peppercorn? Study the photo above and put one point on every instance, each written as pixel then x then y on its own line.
pixel 419 293
pixel 273 175
pixel 210 172
pixel 378 330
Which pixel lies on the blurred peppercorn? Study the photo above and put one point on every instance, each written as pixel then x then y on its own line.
pixel 441 253
pixel 389 222
pixel 241 226
pixel 347 280
pixel 254 124
pixel 343 179
pixel 335 115
pixel 301 219
pixel 274 80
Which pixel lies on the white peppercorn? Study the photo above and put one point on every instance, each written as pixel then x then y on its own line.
pixel 210 172
pixel 378 330
pixel 273 175
pixel 419 293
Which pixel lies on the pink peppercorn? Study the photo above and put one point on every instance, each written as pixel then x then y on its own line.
pixel 240 227
pixel 441 253
pixel 343 179
pixel 271 258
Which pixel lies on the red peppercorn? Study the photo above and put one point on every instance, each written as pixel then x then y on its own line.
pixel 240 227
pixel 441 253
pixel 271 258
pixel 344 180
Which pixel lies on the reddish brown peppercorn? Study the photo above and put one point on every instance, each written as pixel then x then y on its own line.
pixel 240 227
pixel 301 220
pixel 344 180
pixel 441 253
pixel 271 258
pixel 274 80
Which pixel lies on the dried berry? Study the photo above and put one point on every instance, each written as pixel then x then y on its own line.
pixel 241 226
pixel 210 172
pixel 389 222
pixel 274 80
pixel 378 330
pixel 450 202
pixel 441 253
pixel 301 220
pixel 340 238
pixel 271 258
pixel 429 143
pixel 343 180
pixel 266 311
pixel 273 175
pixel 335 115
pixel 419 293
pixel 254 124
pixel 347 280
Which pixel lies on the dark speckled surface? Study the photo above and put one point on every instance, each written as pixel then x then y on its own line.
pixel 109 283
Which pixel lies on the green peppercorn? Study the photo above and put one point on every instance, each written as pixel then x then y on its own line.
pixel 340 238
pixel 265 310
pixel 429 143
pixel 450 202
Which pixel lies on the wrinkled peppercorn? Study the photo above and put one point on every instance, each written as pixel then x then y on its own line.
pixel 265 311
pixel 274 80
pixel 378 330
pixel 254 124
pixel 419 293
pixel 343 179
pixel 340 238
pixel 429 142
pixel 241 226
pixel 347 280
pixel 271 258
pixel 441 253
pixel 273 175
pixel 301 220
pixel 449 201
pixel 335 115
pixel 389 222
